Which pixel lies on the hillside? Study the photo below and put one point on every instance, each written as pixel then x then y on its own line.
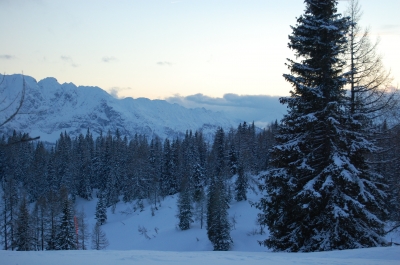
pixel 122 227
pixel 169 245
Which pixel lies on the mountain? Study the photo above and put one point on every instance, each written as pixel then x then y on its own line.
pixel 51 108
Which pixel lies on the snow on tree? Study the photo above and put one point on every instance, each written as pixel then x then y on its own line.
pixel 241 185
pixel 66 237
pixel 320 192
pixel 218 226
pixel 185 209
pixel 101 210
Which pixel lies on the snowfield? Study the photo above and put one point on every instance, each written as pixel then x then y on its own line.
pixel 166 244
pixel 379 256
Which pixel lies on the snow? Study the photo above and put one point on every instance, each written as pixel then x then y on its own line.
pixel 381 256
pixel 53 108
pixel 169 245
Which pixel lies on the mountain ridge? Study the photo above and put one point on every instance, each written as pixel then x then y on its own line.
pixel 50 108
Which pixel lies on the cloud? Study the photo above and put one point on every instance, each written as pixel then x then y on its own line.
pixel 114 91
pixel 69 60
pixel 388 29
pixel 391 26
pixel 66 58
pixel 6 57
pixel 164 63
pixel 107 59
pixel 261 109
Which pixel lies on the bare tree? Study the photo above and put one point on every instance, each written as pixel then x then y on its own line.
pixel 13 108
pixel 83 232
pixel 371 92
pixel 99 238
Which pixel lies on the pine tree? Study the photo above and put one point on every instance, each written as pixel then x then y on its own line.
pixel 99 238
pixel 185 213
pixel 66 237
pixel 23 235
pixel 320 194
pixel 241 184
pixel 83 164
pixel 101 210
pixel 218 227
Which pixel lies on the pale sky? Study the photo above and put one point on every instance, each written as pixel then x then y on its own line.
pixel 160 49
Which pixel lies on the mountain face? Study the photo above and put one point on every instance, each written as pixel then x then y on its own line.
pixel 50 108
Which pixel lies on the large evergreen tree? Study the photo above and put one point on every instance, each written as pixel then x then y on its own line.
pixel 218 226
pixel 321 194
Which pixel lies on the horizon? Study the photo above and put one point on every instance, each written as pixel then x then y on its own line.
pixel 169 49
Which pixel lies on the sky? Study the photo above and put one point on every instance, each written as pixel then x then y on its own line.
pixel 175 50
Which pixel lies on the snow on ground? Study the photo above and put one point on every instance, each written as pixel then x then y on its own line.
pixel 379 256
pixel 168 245
pixel 122 227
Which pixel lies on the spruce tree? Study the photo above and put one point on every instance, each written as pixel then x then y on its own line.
pixel 101 210
pixel 218 227
pixel 241 184
pixel 66 237
pixel 23 235
pixel 320 193
pixel 185 213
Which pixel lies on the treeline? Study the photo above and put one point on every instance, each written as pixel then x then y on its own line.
pixel 39 184
pixel 119 169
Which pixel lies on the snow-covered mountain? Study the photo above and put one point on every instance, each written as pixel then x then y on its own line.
pixel 51 108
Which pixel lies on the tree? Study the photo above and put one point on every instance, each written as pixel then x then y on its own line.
pixel 185 209
pixel 8 211
pixel 101 210
pixel 99 238
pixel 369 82
pixel 40 217
pixel 23 235
pixel 14 107
pixel 218 227
pixel 66 239
pixel 241 184
pixel 83 232
pixel 372 97
pixel 320 193
pixel 53 205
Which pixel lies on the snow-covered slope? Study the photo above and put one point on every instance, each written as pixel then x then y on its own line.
pixel 51 108
pixel 168 245
pixel 162 227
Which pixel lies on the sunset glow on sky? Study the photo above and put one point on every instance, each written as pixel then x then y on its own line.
pixel 158 49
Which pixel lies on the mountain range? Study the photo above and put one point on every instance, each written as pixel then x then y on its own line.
pixel 50 108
